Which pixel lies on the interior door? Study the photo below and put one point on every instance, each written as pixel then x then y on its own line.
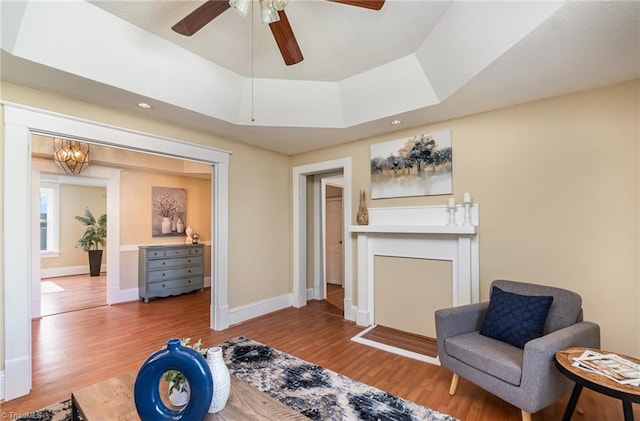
pixel 333 245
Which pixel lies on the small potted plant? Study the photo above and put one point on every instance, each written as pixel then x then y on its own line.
pixel 94 236
pixel 178 385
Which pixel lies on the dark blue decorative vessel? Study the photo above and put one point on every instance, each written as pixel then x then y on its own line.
pixel 194 367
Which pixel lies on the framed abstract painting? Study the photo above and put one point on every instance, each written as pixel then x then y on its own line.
pixel 421 165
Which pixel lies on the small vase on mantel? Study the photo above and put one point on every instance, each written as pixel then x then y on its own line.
pixel 221 379
pixel 362 217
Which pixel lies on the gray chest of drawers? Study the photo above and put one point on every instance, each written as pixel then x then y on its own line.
pixel 170 270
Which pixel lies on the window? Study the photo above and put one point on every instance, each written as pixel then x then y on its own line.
pixel 49 219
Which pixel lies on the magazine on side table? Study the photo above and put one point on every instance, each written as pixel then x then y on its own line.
pixel 612 366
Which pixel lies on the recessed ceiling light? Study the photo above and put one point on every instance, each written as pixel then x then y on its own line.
pixel 144 105
pixel 396 122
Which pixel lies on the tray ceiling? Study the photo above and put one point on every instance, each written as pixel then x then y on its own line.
pixel 420 61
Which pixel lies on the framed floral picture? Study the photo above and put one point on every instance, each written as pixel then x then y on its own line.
pixel 417 166
pixel 169 206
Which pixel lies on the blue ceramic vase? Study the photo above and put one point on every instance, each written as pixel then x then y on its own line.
pixel 194 367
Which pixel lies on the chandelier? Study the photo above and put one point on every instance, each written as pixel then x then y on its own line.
pixel 71 155
pixel 268 8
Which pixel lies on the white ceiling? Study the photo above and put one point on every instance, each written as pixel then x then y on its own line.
pixel 420 61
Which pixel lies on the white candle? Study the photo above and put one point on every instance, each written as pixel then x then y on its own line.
pixel 451 203
pixel 466 198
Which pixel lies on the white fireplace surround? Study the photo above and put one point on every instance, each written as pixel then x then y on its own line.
pixel 423 233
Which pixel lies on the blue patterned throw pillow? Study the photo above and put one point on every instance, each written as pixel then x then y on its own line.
pixel 515 319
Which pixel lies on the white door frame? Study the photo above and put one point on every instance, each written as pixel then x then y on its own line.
pixel 19 123
pixel 299 197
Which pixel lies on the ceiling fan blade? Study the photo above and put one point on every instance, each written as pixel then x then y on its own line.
pixel 369 4
pixel 286 40
pixel 204 14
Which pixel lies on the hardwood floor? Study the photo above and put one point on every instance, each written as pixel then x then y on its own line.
pixel 403 340
pixel 335 296
pixel 80 292
pixel 75 349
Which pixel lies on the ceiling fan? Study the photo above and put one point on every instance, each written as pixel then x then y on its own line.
pixel 272 13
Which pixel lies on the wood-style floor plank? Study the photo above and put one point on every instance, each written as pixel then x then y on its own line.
pixel 76 349
pixel 80 292
pixel 403 340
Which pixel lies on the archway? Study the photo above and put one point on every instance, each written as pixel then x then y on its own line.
pixel 19 124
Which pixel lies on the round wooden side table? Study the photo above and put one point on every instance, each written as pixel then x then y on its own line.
pixel 599 383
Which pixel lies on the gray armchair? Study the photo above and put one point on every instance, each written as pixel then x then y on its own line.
pixel 526 378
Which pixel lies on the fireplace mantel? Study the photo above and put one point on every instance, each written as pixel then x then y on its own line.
pixel 416 229
pixel 418 232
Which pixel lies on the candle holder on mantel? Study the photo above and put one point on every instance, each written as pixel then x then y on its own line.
pixel 467 213
pixel 452 215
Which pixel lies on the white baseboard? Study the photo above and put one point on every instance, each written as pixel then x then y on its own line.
pixel 133 294
pixel 14 370
pixel 123 295
pixel 68 271
pixel 259 308
pixel 310 294
pixel 1 386
pixel 354 311
pixel 236 315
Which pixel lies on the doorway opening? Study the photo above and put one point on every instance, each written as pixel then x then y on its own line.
pixel 67 263
pixel 20 124
pixel 65 282
pixel 309 232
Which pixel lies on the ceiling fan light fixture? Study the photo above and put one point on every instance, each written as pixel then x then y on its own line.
pixel 268 12
pixel 279 4
pixel 240 6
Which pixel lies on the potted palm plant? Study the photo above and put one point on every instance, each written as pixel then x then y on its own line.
pixel 94 236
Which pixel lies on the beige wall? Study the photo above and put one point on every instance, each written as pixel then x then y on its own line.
pixel 557 185
pixel 311 243
pixel 135 206
pixel 259 226
pixel 73 200
pixel 136 217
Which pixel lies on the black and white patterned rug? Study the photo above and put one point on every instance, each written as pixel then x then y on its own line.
pixel 315 392
pixel 58 412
